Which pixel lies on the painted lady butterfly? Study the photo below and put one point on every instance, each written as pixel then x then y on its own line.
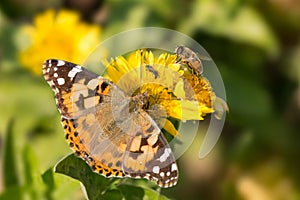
pixel 108 129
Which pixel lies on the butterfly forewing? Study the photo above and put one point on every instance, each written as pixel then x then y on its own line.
pixel 77 91
pixel 101 130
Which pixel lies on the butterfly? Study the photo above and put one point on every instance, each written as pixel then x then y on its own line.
pixel 107 128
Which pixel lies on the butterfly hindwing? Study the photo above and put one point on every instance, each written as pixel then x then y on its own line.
pixel 148 154
pixel 98 151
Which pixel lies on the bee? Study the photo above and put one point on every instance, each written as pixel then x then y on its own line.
pixel 190 58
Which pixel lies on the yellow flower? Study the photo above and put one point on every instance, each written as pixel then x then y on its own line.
pixel 171 91
pixel 58 35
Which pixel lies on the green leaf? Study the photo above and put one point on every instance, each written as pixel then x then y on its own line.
pixel 131 192
pixel 48 180
pixel 34 186
pixel 134 192
pixel 76 168
pixel 111 195
pixel 31 173
pixel 60 187
pixel 10 175
pixel 152 194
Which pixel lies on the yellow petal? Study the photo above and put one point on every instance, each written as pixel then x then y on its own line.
pixel 169 127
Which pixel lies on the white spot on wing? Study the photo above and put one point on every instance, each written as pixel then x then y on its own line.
pixel 55 75
pixel 155 169
pixel 165 155
pixel 73 72
pixel 61 81
pixel 60 63
pixel 174 167
pixel 162 174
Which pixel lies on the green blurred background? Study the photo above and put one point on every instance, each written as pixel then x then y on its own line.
pixel 255 45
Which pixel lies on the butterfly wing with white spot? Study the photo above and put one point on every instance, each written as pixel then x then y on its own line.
pixel 148 153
